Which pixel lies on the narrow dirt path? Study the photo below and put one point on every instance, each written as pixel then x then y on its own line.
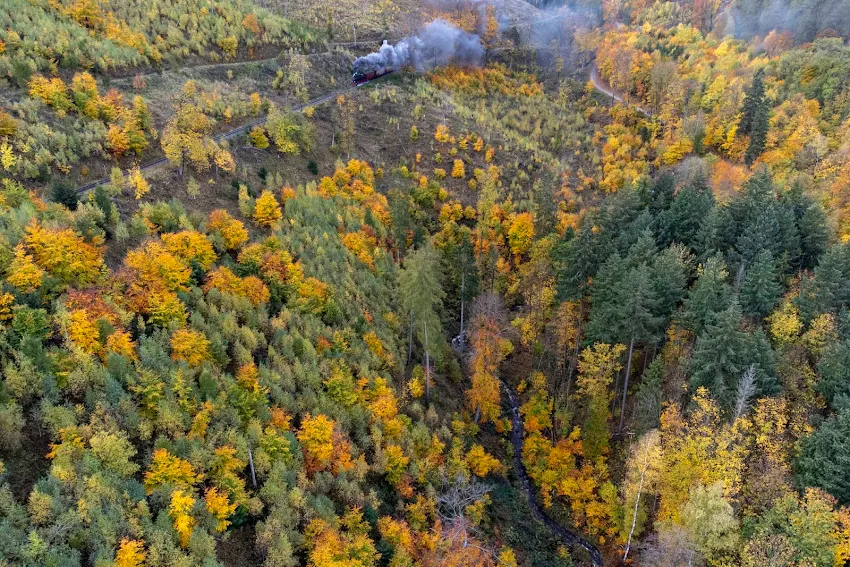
pixel 606 89
pixel 569 538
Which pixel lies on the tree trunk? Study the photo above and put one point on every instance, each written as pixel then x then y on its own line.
pixel 410 339
pixel 626 382
pixel 637 502
pixel 251 461
pixel 462 285
pixel 574 361
pixel 427 367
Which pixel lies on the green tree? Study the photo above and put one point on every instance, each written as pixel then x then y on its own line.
pixel 682 221
pixel 760 289
pixel 717 360
pixel 709 296
pixel 670 279
pixel 834 370
pixel 711 522
pixel 829 290
pixel 825 457
pixel 754 118
pixel 421 296
pixel 794 531
pixel 640 303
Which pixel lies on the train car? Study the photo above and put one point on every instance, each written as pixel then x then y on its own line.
pixel 359 78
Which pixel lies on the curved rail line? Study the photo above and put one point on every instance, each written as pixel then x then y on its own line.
pixel 569 537
pixel 231 64
pixel 230 134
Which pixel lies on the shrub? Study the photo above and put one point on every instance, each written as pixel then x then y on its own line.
pixel 64 194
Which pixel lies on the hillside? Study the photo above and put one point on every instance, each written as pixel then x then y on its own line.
pixel 567 286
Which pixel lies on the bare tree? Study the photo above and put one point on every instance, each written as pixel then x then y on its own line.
pixel 670 547
pixel 746 391
pixel 454 498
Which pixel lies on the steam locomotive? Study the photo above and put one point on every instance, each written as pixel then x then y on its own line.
pixel 359 78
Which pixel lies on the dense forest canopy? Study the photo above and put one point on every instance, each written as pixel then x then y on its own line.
pixel 575 292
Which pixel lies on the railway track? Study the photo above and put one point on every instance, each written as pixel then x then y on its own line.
pixel 229 135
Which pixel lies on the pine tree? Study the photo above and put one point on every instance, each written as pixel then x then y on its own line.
pixel 825 457
pixel 670 279
pixel 753 100
pixel 421 299
pixel 640 303
pixel 754 119
pixel 709 296
pixel 716 362
pixel 687 213
pixel 760 289
pixel 606 315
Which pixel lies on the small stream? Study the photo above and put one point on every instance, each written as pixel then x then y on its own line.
pixel 569 538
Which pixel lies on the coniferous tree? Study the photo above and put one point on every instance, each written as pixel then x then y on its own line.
pixel 670 279
pixel 829 290
pixel 649 398
pixel 709 295
pixel 825 457
pixel 715 233
pixel 814 236
pixel 760 289
pixel 759 353
pixel 754 118
pixel 640 323
pixel 753 100
pixel 687 213
pixel 422 295
pixel 717 360
pixel 606 314
pixel 834 369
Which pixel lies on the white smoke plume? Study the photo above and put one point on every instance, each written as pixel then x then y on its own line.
pixel 440 43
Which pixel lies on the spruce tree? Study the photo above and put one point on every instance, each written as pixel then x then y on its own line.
pixel 829 290
pixel 670 279
pixel 759 353
pixel 421 299
pixel 814 234
pixel 753 100
pixel 709 296
pixel 606 317
pixel 834 370
pixel 640 323
pixel 649 398
pixel 754 119
pixel 688 212
pixel 715 233
pixel 825 457
pixel 717 360
pixel 760 289
pixel 758 138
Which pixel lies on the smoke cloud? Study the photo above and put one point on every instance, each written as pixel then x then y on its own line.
pixel 440 43
pixel 805 19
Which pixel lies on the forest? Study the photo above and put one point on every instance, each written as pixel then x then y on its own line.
pixel 569 286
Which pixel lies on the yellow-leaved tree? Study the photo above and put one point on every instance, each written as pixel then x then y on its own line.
pixel 267 210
